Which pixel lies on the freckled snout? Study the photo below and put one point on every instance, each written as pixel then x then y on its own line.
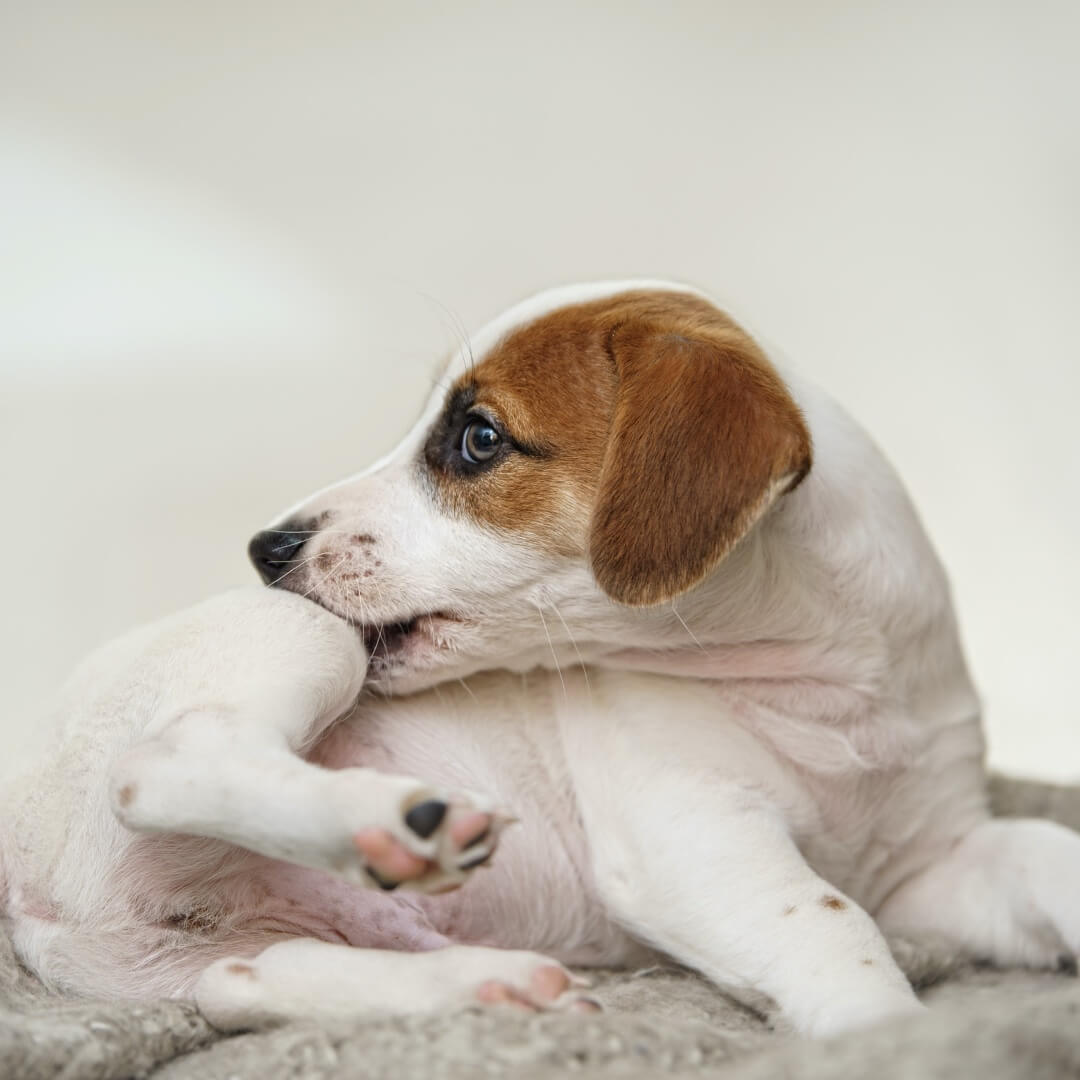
pixel 274 551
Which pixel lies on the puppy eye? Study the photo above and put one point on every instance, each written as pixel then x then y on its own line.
pixel 480 442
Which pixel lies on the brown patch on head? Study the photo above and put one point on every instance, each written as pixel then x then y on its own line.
pixel 867 962
pixel 126 795
pixel 833 903
pixel 241 969
pixel 549 389
pixel 790 909
pixel 646 431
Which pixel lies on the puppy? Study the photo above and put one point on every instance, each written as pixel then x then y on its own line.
pixel 623 581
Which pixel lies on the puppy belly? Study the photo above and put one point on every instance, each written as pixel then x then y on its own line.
pixel 494 911
pixel 535 894
pixel 312 903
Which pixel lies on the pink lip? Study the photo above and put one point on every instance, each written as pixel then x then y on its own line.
pixel 389 641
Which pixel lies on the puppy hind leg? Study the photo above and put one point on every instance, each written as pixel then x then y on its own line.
pixel 1007 892
pixel 304 979
pixel 126 960
pixel 724 889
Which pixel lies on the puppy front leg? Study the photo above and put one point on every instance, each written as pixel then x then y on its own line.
pixel 706 871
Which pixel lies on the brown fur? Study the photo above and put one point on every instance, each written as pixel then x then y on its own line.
pixel 662 434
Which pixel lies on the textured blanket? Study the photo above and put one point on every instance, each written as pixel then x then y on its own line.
pixel 983 1023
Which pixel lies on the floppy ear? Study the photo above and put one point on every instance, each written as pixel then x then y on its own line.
pixel 704 438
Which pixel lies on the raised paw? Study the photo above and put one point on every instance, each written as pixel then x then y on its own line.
pixel 444 839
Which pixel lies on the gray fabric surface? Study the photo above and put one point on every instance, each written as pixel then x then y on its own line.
pixel 983 1023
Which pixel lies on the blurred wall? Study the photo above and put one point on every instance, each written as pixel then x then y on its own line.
pixel 235 238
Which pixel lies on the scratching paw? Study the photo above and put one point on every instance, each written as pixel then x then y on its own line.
pixel 441 841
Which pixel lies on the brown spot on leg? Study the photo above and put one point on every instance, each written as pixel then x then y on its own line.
pixel 363 538
pixel 867 961
pixel 833 903
pixel 241 969
pixel 201 919
pixel 126 794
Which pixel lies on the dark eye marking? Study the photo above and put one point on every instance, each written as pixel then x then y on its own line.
pixel 466 440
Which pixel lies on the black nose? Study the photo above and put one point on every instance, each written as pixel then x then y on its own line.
pixel 273 551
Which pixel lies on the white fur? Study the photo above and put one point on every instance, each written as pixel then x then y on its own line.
pixel 288 982
pixel 742 780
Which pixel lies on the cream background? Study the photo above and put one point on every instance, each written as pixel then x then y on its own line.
pixel 228 233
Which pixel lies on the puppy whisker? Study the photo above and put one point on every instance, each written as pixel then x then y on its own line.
pixel 551 646
pixel 305 532
pixel 577 651
pixel 321 583
pixel 300 563
pixel 693 637
pixel 457 323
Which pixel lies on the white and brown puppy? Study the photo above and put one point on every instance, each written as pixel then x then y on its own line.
pixel 624 580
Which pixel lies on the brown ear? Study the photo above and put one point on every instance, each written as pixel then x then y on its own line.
pixel 704 438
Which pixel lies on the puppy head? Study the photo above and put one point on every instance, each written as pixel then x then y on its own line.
pixel 594 456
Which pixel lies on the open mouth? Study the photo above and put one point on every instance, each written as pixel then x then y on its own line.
pixel 389 642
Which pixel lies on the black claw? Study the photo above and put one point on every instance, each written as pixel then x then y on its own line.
pixel 479 838
pixel 381 881
pixel 424 818
pixel 478 860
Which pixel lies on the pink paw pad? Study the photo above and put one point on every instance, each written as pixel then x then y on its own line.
pixel 469 829
pixel 500 993
pixel 388 861
pixel 547 988
pixel 471 834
